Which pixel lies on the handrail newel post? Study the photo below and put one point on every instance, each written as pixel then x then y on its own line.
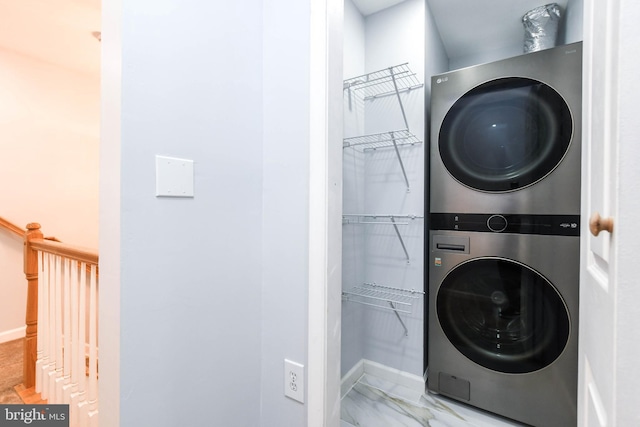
pixel 31 318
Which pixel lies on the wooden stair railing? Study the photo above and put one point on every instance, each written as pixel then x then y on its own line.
pixel 31 272
pixel 8 225
pixel 31 334
pixel 62 294
pixel 29 362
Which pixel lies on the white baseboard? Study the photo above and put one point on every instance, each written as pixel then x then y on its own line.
pixel 364 366
pixel 351 378
pixel 396 376
pixel 13 334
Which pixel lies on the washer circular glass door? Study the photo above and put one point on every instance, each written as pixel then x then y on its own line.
pixel 505 134
pixel 502 315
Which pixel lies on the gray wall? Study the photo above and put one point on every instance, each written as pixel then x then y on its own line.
pixel 436 61
pixel 573 21
pixel 190 305
pixel 353 184
pixel 13 287
pixel 395 36
pixel 285 198
pixel 203 298
pixel 570 31
pixel 373 183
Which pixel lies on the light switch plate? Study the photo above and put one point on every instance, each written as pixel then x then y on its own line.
pixel 174 177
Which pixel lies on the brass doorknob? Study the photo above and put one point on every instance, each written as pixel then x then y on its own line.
pixel 598 224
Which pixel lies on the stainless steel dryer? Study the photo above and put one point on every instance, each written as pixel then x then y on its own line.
pixel 506 136
pixel 503 314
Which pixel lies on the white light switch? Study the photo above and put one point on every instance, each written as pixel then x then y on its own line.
pixel 174 177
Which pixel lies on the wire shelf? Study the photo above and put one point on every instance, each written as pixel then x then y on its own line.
pixel 389 81
pixel 380 296
pixel 386 298
pixel 376 219
pixel 381 140
pixel 384 219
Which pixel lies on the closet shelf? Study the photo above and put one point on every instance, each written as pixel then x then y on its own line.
pixel 380 296
pixel 385 297
pixel 393 139
pixel 379 219
pixel 374 141
pixel 389 81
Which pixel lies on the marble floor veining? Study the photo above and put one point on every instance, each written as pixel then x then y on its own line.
pixel 374 402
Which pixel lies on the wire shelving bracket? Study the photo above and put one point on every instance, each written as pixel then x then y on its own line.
pixel 391 81
pixel 386 82
pixel 381 140
pixel 385 139
pixel 383 220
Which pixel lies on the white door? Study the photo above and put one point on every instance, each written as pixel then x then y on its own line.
pixel 610 296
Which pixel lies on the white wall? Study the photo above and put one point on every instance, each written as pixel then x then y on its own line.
pixel 285 199
pixel 188 325
pixel 110 207
pixel 49 130
pixel 207 296
pixel 436 62
pixel 573 22
pixel 49 141
pixel 13 288
pixel 570 31
pixel 373 183
pixel 395 36
pixel 354 41
pixel 353 184
pixel 485 54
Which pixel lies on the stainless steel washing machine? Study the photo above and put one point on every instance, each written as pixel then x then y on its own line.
pixel 503 314
pixel 506 136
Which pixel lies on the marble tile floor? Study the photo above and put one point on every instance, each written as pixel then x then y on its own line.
pixel 374 402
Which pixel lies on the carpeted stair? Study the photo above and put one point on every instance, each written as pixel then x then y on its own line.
pixel 10 371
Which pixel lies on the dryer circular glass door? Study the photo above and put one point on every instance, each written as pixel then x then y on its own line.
pixel 502 315
pixel 505 134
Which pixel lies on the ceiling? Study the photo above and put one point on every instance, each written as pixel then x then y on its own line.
pixel 60 31
pixel 55 31
pixel 466 25
pixel 369 7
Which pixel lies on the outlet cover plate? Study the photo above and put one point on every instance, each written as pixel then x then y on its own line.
pixel 294 380
pixel 174 177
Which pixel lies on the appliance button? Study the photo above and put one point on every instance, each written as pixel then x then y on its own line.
pixel 497 223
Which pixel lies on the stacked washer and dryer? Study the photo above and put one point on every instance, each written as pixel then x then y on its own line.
pixel 504 235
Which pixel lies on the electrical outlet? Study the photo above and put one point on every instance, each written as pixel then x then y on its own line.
pixel 294 380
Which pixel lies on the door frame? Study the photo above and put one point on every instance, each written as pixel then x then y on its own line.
pixel 325 213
